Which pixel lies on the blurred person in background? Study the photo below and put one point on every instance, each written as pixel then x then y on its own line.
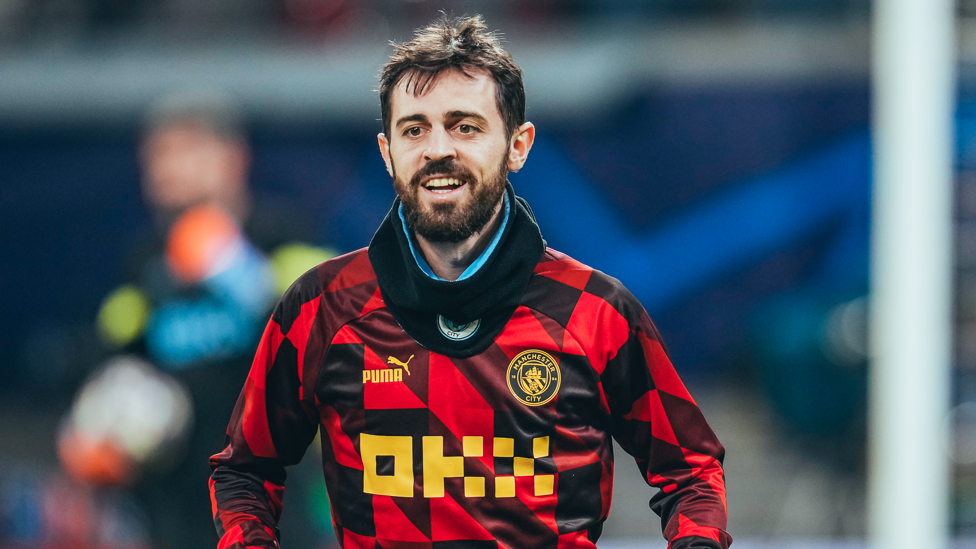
pixel 198 290
pixel 465 378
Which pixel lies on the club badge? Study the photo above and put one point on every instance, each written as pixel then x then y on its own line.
pixel 457 332
pixel 533 377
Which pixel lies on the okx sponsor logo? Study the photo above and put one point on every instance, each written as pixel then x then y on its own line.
pixel 398 480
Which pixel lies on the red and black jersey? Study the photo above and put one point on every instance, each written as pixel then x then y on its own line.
pixel 504 444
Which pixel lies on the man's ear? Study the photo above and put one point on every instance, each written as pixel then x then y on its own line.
pixel 518 150
pixel 384 145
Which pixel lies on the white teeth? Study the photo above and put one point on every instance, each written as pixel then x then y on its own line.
pixel 444 182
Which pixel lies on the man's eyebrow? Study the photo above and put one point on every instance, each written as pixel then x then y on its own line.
pixel 411 118
pixel 454 115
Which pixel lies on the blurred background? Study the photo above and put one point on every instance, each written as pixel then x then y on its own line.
pixel 714 155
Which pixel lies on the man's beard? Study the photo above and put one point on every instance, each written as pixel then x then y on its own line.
pixel 451 222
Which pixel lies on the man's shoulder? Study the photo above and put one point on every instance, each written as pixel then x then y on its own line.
pixel 555 264
pixel 560 278
pixel 340 272
pixel 347 280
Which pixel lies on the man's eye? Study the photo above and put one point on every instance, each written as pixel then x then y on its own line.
pixel 413 132
pixel 466 128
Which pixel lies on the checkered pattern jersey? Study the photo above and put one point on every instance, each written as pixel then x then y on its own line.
pixel 421 450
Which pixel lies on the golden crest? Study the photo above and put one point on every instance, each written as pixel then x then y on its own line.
pixel 533 377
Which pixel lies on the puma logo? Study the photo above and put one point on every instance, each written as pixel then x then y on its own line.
pixel 396 361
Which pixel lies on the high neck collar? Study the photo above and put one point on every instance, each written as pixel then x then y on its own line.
pixel 488 296
pixel 477 263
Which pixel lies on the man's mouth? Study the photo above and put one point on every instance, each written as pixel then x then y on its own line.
pixel 442 185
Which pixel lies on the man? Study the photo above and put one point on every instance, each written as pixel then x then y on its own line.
pixel 199 289
pixel 466 379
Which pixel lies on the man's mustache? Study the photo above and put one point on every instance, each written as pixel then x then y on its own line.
pixel 447 167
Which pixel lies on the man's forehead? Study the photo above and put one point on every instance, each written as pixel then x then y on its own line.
pixel 189 128
pixel 446 93
pixel 412 77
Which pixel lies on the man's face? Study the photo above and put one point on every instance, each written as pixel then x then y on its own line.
pixel 185 164
pixel 448 153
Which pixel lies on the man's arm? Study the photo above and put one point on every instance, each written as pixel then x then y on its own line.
pixel 655 419
pixel 270 428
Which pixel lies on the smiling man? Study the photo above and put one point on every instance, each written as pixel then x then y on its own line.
pixel 466 379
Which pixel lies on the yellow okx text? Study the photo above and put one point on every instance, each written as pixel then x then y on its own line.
pixel 437 466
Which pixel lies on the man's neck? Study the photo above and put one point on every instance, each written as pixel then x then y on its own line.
pixel 448 260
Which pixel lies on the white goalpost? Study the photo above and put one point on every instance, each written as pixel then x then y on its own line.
pixel 911 272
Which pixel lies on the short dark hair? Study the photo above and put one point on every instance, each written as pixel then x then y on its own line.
pixel 210 109
pixel 454 43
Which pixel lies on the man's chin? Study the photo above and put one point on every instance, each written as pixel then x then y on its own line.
pixel 452 219
pixel 441 231
pixel 441 226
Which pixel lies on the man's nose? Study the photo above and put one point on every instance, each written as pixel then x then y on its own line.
pixel 439 145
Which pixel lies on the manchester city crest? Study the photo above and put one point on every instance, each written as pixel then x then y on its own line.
pixel 457 332
pixel 533 377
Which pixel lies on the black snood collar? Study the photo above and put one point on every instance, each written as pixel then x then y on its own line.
pixel 488 298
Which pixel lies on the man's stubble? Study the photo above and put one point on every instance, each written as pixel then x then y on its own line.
pixel 451 222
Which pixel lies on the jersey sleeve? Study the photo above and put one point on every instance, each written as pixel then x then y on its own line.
pixel 271 427
pixel 654 418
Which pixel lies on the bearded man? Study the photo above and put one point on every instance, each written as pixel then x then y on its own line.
pixel 523 362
